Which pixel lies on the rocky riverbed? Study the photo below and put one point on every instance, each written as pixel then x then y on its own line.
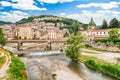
pixel 42 69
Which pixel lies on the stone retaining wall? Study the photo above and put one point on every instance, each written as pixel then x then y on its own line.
pixel 105 46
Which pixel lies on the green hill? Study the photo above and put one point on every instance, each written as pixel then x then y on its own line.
pixel 3 22
pixel 70 24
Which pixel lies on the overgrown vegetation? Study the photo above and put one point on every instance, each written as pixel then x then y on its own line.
pixel 2 38
pixel 17 69
pixel 112 40
pixel 100 65
pixel 25 20
pixel 74 43
pixel 2 61
pixel 118 59
pixel 66 34
pixel 48 48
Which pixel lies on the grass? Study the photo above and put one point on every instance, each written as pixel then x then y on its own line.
pixel 2 61
pixel 2 58
pixel 118 59
pixel 101 65
pixel 17 70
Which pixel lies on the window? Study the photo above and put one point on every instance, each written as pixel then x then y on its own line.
pixel 104 32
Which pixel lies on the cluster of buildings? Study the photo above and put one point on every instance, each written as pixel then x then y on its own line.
pixel 96 34
pixel 37 29
pixel 93 33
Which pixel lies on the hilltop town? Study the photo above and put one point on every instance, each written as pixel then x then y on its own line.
pixel 37 29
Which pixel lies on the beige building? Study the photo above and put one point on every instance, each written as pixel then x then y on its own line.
pixel 97 34
pixel 8 31
pixel 24 32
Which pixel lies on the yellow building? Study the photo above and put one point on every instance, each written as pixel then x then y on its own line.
pixel 7 30
pixel 24 32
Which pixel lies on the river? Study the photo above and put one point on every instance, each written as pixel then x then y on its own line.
pixel 83 71
pixel 78 68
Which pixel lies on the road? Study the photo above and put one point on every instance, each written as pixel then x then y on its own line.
pixel 5 67
pixel 107 56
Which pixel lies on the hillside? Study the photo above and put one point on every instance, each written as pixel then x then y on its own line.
pixel 3 22
pixel 70 24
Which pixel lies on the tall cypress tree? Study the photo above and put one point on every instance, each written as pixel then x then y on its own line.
pixel 119 24
pixel 91 23
pixel 104 24
pixel 2 39
pixel 114 23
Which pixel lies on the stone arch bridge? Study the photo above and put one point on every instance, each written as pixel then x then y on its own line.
pixel 56 44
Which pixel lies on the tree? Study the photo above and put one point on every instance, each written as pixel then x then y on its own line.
pixel 91 23
pixel 74 27
pixel 2 39
pixel 113 34
pixel 114 23
pixel 104 24
pixel 34 36
pixel 15 37
pixel 119 24
pixel 66 34
pixel 75 42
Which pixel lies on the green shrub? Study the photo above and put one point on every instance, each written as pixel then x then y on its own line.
pixel 17 69
pixel 54 75
pixel 100 65
pixel 2 61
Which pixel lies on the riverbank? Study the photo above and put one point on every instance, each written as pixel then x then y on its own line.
pixel 106 56
pixel 5 61
pixel 13 68
pixel 111 69
pixel 17 69
pixel 45 66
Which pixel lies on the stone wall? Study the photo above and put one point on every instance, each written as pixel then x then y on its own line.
pixel 105 46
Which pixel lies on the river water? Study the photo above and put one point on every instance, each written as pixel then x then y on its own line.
pixel 83 71
pixel 79 68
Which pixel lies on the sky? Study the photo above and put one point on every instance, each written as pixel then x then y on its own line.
pixel 81 10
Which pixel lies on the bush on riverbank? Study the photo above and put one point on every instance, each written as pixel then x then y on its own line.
pixel 100 65
pixel 48 48
pixel 2 61
pixel 118 59
pixel 17 69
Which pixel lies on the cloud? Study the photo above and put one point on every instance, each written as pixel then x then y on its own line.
pixel 98 16
pixel 108 12
pixel 13 16
pixel 22 5
pixel 62 14
pixel 5 3
pixel 54 1
pixel 109 5
pixel 62 1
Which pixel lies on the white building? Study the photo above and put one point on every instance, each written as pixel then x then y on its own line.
pixel 96 34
